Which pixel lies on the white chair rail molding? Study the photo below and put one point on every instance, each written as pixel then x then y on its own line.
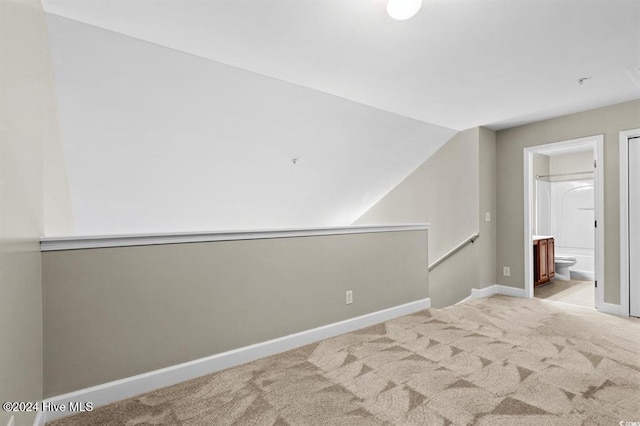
pixel 128 314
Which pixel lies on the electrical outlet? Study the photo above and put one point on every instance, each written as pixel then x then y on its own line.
pixel 487 216
pixel 506 271
pixel 349 297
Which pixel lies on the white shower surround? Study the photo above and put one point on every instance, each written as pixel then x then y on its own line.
pixel 565 210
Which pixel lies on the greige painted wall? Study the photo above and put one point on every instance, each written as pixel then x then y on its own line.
pixel 571 163
pixel 116 312
pixel 442 191
pixel 486 244
pixel 26 117
pixel 510 205
pixel 452 190
pixel 540 165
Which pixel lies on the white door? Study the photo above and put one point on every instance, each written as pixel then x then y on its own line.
pixel 634 226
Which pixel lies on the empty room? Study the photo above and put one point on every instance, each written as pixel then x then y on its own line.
pixel 323 212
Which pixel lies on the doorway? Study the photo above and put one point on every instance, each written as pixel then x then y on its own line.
pixel 629 226
pixel 563 200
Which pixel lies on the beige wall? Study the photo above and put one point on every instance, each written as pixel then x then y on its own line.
pixel 442 191
pixel 540 165
pixel 116 312
pixel 452 190
pixel 486 244
pixel 510 205
pixel 26 119
pixel 571 163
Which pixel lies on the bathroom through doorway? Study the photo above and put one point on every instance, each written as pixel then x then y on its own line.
pixel 563 204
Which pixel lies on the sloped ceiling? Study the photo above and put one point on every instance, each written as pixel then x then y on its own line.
pixel 187 115
pixel 457 63
pixel 156 140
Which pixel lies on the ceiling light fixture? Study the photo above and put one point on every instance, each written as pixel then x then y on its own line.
pixel 403 9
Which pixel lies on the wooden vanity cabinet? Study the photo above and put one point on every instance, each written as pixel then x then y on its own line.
pixel 551 256
pixel 543 261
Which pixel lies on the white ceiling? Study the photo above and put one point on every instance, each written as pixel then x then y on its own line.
pixel 156 140
pixel 457 64
pixel 181 115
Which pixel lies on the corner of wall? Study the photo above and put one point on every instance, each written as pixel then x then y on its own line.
pixel 487 217
pixel 453 190
pixel 26 116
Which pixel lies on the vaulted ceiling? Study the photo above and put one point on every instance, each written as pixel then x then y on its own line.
pixel 189 115
pixel 457 63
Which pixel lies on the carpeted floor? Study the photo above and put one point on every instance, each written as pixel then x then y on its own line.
pixel 575 292
pixel 495 361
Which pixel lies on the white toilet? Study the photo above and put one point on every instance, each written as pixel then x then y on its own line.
pixel 563 263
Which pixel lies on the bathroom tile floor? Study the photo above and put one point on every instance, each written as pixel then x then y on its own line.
pixel 575 292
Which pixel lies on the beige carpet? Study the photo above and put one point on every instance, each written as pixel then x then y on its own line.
pixel 495 361
pixel 580 293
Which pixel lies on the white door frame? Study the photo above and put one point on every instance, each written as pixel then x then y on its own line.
pixel 597 141
pixel 624 219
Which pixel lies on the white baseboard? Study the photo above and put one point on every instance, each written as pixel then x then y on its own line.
pixel 117 390
pixel 466 299
pixel 510 291
pixel 496 289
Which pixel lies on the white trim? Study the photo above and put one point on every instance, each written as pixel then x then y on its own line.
pixel 597 141
pixel 466 299
pixel 599 215
pixel 497 289
pixel 101 241
pixel 624 218
pixel 528 211
pixel 479 293
pixel 126 388
pixel 510 291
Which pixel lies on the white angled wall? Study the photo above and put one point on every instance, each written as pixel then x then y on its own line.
pixel 156 140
